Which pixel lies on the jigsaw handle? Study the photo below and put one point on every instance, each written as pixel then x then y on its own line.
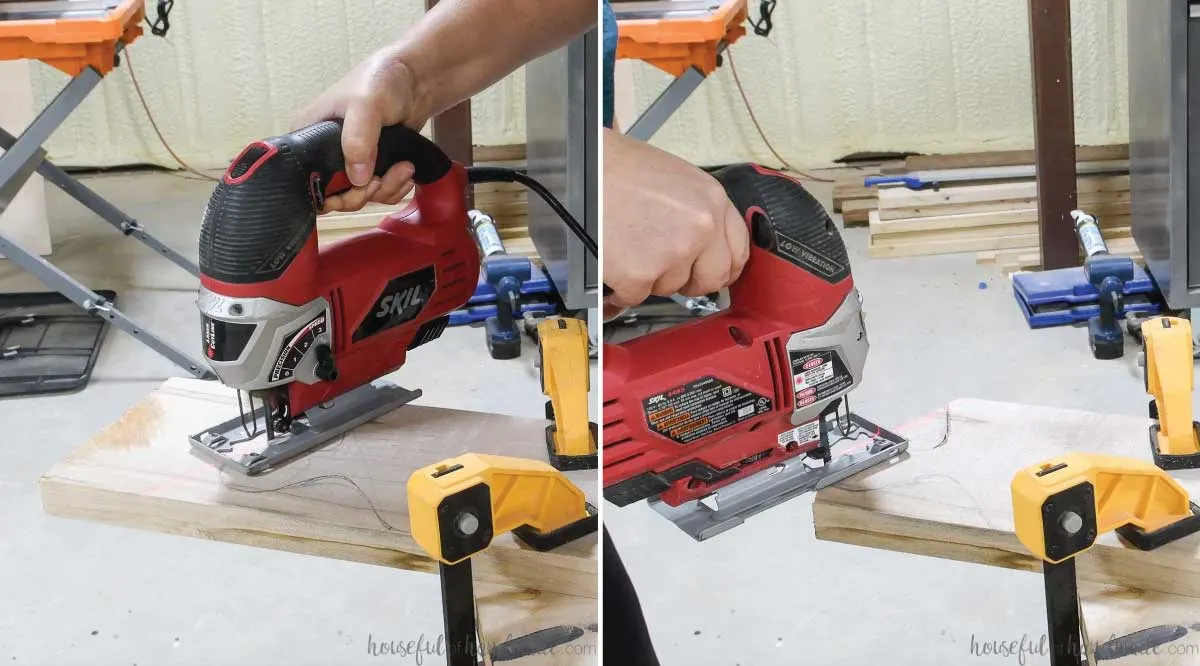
pixel 798 268
pixel 263 212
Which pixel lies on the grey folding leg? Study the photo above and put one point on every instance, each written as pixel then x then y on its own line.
pixel 668 102
pixel 22 157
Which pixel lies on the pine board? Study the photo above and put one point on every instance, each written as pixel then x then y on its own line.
pixel 900 197
pixel 1109 215
pixel 139 473
pixel 953 501
pixel 1095 203
pixel 560 630
pixel 997 158
pixel 1117 620
pixel 856 212
pixel 1119 243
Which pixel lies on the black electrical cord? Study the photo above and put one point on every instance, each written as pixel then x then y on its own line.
pixel 764 24
pixel 485 174
pixel 162 23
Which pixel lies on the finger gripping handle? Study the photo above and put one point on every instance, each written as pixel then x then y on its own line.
pixel 264 209
pixel 319 147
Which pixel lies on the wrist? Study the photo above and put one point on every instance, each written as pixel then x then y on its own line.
pixel 408 83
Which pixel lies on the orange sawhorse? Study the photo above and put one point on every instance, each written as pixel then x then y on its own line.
pixel 83 39
pixel 684 38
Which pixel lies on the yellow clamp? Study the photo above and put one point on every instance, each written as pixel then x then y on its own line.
pixel 1169 371
pixel 566 380
pixel 1060 506
pixel 458 506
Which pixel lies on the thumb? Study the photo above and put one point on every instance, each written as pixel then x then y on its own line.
pixel 360 141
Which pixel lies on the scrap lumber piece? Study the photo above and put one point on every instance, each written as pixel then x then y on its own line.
pixel 998 158
pixel 1107 214
pixel 923 243
pixel 526 627
pixel 850 190
pixel 856 212
pixel 1139 628
pixel 964 193
pixel 1119 242
pixel 964 233
pixel 139 473
pixel 949 496
pixel 1096 203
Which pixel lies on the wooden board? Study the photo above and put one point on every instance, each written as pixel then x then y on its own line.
pixel 856 212
pixel 1030 258
pixel 1148 628
pixel 1095 203
pixel 901 197
pixel 547 629
pixel 997 158
pixel 850 190
pixel 953 501
pixel 1109 215
pixel 139 473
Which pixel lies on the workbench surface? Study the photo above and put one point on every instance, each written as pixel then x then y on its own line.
pixel 347 501
pixel 950 497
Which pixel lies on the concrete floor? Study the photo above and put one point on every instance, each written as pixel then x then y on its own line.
pixel 73 592
pixel 78 593
pixel 769 594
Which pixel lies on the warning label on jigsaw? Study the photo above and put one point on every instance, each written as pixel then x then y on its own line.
pixel 818 374
pixel 802 434
pixel 700 408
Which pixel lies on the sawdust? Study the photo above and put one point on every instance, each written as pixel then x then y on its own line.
pixel 135 429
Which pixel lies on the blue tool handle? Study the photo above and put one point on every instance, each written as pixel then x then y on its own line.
pixel 911 182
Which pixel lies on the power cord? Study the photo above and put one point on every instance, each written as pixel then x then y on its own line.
pixel 762 27
pixel 162 22
pixel 758 128
pixel 154 125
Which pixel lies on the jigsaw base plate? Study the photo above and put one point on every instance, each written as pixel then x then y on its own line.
pixel 230 445
pixel 730 506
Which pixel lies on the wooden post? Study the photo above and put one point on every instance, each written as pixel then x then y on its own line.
pixel 452 131
pixel 1054 130
pixel 25 221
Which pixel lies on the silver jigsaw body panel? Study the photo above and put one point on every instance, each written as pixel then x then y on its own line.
pixel 840 344
pixel 280 350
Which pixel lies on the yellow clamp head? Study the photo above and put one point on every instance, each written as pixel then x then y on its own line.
pixel 1061 505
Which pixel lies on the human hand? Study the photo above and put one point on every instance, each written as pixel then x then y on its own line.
pixel 669 227
pixel 380 91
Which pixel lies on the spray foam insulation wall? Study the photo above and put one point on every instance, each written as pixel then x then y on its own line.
pixel 833 78
pixel 230 72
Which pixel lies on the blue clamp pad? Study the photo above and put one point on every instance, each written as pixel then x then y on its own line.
pixel 1065 296
pixel 477 313
pixel 533 279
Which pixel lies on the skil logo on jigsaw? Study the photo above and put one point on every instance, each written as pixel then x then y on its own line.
pixel 400 302
pixel 394 304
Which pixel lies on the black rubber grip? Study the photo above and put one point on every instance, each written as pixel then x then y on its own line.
pixel 786 220
pixel 263 211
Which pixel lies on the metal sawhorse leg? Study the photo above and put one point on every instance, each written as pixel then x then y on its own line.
pixel 668 101
pixel 22 157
